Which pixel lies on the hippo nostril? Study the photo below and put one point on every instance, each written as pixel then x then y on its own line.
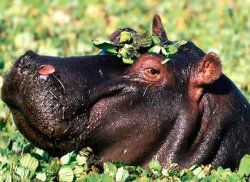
pixel 26 59
pixel 25 63
pixel 46 69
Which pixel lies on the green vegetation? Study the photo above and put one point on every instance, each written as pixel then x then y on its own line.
pixel 67 28
pixel 20 161
pixel 130 45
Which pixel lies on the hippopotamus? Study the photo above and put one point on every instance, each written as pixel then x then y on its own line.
pixel 185 111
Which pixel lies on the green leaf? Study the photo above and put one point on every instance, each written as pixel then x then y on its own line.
pixel 122 174
pixel 156 40
pixel 141 171
pixel 66 174
pixel 106 45
pixel 106 178
pixel 9 177
pixel 125 37
pixel 41 153
pixel 232 177
pixel 66 158
pixel 55 166
pixel 163 51
pixel 171 49
pixel 78 170
pixel 165 61
pixel 4 142
pixel 155 166
pixel 198 171
pixel 92 177
pixel 41 176
pixel 189 177
pixel 125 52
pixel 23 173
pixel 29 162
pixel 127 60
pixel 110 168
pixel 180 43
pixel 81 160
pixel 142 40
pixel 86 152
pixel 244 168
pixel 155 49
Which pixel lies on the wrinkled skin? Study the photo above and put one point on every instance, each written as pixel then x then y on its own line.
pixel 185 111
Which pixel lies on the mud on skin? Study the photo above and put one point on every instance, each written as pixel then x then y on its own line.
pixel 186 110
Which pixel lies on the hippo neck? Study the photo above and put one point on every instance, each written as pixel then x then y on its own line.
pixel 202 138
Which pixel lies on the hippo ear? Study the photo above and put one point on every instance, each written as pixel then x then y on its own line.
pixel 208 69
pixel 157 28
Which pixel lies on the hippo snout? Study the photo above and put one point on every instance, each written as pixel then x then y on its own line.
pixel 51 102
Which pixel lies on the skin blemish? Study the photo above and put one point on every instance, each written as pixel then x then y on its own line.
pixel 46 70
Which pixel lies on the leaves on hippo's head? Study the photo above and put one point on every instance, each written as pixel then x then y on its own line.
pixel 156 40
pixel 179 43
pixel 171 49
pixel 155 49
pixel 165 61
pixel 132 45
pixel 142 40
pixel 106 46
pixel 125 37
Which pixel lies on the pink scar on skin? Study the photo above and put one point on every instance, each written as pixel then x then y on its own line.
pixel 46 69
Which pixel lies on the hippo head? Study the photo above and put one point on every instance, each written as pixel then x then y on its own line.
pixel 185 110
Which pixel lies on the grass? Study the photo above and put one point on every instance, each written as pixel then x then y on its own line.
pixel 66 28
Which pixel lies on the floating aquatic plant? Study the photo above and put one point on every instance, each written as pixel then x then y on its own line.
pixel 131 45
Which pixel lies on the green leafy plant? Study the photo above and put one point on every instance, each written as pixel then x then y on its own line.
pixel 28 163
pixel 131 45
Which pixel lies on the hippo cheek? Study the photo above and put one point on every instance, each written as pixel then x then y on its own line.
pixel 125 124
pixel 104 108
pixel 124 132
pixel 109 98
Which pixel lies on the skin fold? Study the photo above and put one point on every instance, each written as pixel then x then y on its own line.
pixel 186 110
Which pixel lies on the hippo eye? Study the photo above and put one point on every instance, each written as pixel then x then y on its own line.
pixel 153 71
